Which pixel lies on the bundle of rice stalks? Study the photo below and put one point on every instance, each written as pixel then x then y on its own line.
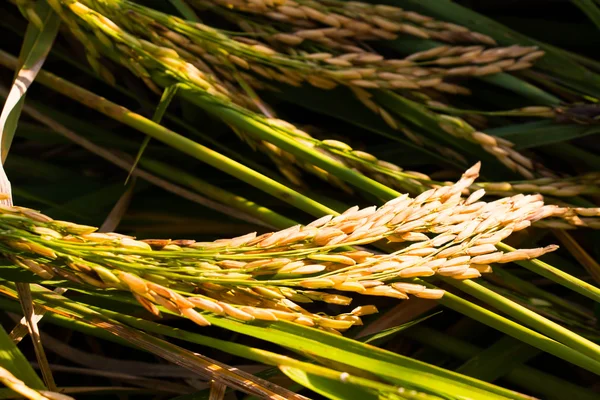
pixel 264 276
pixel 387 106
pixel 166 50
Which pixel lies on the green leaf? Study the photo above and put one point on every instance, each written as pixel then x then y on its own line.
pixel 329 388
pixel 13 360
pixel 36 46
pixel 185 10
pixel 377 338
pixel 497 360
pixel 590 9
pixel 541 133
pixel 165 100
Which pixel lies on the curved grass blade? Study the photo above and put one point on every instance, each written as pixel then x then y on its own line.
pixel 339 103
pixel 13 360
pixel 165 100
pixel 36 46
pixel 558 276
pixel 541 133
pixel 185 10
pixel 550 387
pixel 386 334
pixel 330 388
pixel 590 9
pixel 528 317
pixel 124 164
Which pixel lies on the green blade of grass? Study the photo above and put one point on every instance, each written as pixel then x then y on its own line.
pixel 36 46
pixel 377 360
pixel 541 133
pixel 241 204
pixel 556 275
pixel 590 9
pixel 330 388
pixel 430 122
pixel 261 131
pixel 567 151
pixel 340 103
pixel 532 290
pixel 165 100
pixel 497 360
pixel 385 335
pixel 549 386
pixel 13 360
pixel 186 179
pixel 185 10
pixel 540 383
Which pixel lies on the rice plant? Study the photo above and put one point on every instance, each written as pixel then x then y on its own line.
pixel 300 188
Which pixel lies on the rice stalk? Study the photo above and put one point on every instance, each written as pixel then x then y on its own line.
pixel 264 277
pixel 177 44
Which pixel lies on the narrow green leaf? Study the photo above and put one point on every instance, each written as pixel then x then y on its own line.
pixel 530 318
pixel 185 10
pixel 36 46
pixel 590 9
pixel 386 334
pixel 13 360
pixel 573 154
pixel 192 181
pixel 542 133
pixel 558 276
pixel 165 100
pixel 329 388
pixel 497 360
